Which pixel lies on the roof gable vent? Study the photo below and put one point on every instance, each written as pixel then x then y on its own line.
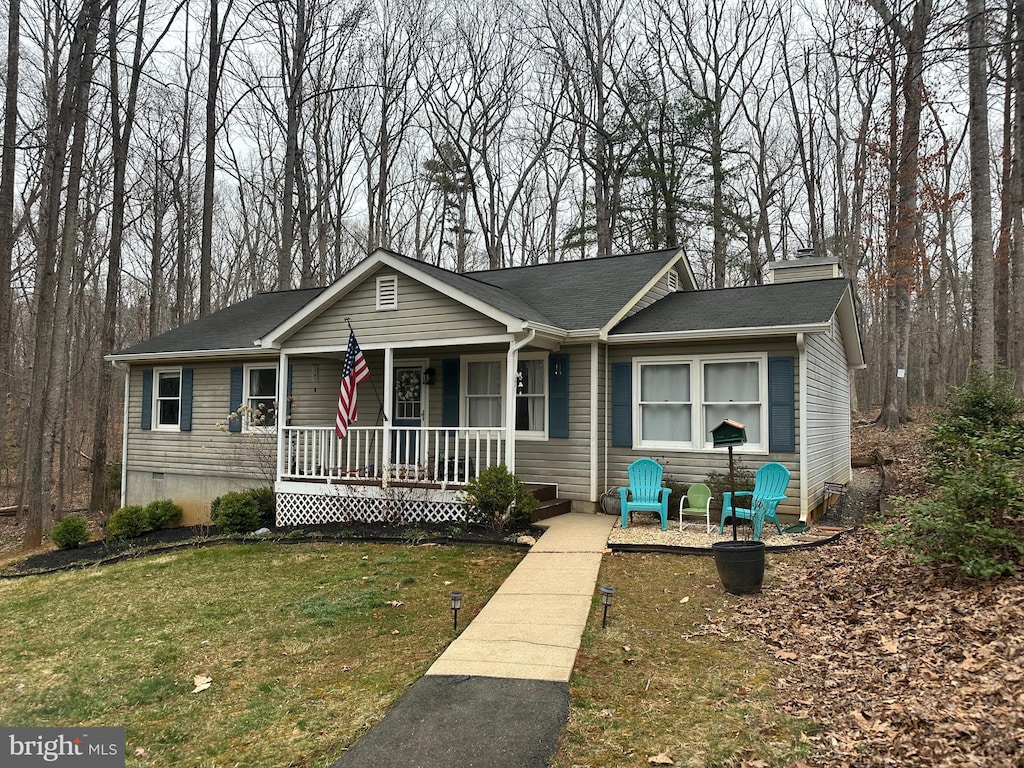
pixel 387 292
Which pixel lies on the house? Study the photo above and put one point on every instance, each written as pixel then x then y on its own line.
pixel 565 372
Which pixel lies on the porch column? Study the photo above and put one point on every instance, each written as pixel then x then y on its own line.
pixel 386 407
pixel 282 412
pixel 511 367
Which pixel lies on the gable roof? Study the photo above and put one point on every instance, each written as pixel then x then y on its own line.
pixel 237 327
pixel 808 306
pixel 585 294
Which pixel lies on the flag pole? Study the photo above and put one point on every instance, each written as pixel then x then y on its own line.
pixel 380 401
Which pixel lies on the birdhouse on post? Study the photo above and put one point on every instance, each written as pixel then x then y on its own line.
pixel 729 434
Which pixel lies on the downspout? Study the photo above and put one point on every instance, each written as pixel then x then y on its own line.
pixel 594 373
pixel 511 366
pixel 126 368
pixel 801 345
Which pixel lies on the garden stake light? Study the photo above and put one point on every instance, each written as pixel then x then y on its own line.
pixel 456 597
pixel 606 599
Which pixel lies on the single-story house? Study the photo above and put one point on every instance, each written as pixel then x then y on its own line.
pixel 564 372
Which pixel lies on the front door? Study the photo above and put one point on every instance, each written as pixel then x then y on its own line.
pixel 407 411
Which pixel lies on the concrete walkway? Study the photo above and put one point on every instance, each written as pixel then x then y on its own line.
pixel 531 628
pixel 498 697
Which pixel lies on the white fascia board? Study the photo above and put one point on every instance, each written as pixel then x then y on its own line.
pixel 371 346
pixel 851 331
pixel 380 257
pixel 720 334
pixel 156 357
pixel 617 317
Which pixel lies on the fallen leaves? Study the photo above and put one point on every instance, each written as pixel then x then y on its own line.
pixel 202 682
pixel 898 665
pixel 662 758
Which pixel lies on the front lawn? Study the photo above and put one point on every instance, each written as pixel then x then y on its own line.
pixel 306 645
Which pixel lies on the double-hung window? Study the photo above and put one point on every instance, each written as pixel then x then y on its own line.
pixel 260 397
pixel 167 399
pixel 678 401
pixel 531 395
pixel 665 404
pixel 483 393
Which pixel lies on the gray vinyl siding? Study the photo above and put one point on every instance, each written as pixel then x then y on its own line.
pixel 422 314
pixel 565 461
pixel 693 466
pixel 660 290
pixel 828 413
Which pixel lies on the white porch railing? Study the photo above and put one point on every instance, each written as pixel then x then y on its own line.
pixel 417 454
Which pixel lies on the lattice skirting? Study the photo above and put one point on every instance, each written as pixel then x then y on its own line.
pixel 349 507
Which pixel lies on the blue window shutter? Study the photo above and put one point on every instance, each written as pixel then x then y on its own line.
pixel 450 392
pixel 781 406
pixel 147 399
pixel 235 425
pixel 622 404
pixel 185 415
pixel 558 395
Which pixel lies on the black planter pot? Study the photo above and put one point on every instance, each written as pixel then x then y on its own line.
pixel 740 565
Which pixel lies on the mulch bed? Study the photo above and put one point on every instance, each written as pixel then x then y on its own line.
pixel 103 552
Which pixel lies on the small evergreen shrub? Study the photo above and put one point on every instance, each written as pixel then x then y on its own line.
pixel 236 512
pixel 718 482
pixel 491 497
pixel 127 523
pixel 267 502
pixel 70 532
pixel 163 513
pixel 975 462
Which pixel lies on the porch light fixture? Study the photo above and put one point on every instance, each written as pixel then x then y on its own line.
pixel 607 592
pixel 428 376
pixel 456 598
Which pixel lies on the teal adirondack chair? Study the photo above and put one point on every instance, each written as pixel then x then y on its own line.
pixel 645 490
pixel 769 489
pixel 697 501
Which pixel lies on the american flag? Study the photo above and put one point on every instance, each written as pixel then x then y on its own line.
pixel 352 374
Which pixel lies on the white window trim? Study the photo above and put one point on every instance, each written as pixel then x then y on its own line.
pixel 155 405
pixel 697 425
pixel 247 426
pixel 501 360
pixel 382 280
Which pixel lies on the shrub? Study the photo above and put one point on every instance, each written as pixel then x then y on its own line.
pixel 70 532
pixel 267 502
pixel 500 499
pixel 127 522
pixel 718 482
pixel 162 514
pixel 236 512
pixel 975 461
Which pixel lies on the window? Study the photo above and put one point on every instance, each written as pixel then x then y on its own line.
pixel 531 395
pixel 387 292
pixel 260 397
pixel 732 390
pixel 678 401
pixel 665 404
pixel 167 399
pixel 483 393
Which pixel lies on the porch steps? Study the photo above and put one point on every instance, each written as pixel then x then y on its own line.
pixel 550 505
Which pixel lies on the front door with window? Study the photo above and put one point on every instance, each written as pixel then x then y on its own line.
pixel 406 411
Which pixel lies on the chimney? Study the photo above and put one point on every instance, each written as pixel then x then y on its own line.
pixel 806 266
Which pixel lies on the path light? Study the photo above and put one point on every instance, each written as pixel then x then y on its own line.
pixel 607 593
pixel 456 597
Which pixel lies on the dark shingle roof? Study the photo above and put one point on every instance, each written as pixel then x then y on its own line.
pixel 798 303
pixel 579 295
pixel 235 327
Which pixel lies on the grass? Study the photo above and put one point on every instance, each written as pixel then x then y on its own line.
pixel 303 647
pixel 670 675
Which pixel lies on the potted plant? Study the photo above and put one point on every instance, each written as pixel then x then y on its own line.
pixel 739 562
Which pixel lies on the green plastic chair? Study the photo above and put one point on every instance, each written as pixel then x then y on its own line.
pixel 696 502
pixel 769 489
pixel 645 490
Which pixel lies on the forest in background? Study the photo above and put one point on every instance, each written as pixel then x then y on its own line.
pixel 162 159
